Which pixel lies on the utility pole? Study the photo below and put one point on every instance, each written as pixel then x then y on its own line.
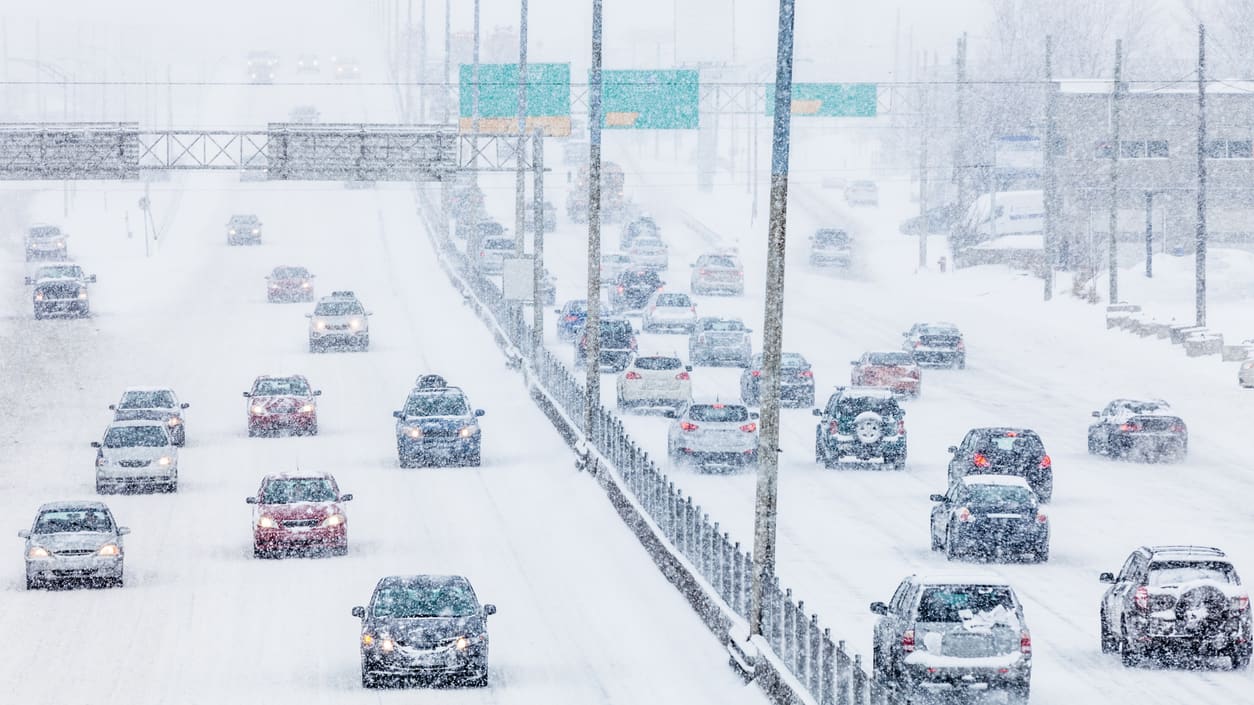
pixel 409 60
pixel 537 242
pixel 474 100
pixel 520 172
pixel 927 125
pixel 1149 234
pixel 592 327
pixel 1117 91
pixel 766 501
pixel 422 65
pixel 960 163
pixel 1051 176
pixel 1200 236
pixel 448 60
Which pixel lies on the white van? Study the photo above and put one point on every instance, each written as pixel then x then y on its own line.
pixel 994 215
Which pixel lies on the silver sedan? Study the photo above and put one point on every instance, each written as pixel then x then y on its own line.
pixel 713 435
pixel 74 541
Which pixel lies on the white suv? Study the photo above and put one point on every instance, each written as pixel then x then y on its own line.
pixel 339 321
pixel 655 381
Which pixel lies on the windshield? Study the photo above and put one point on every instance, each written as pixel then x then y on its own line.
pixel 68 271
pixel 132 436
pixel 616 334
pixel 854 405
pixel 616 259
pixel 643 278
pixel 339 308
pixel 720 262
pixel 487 230
pixel 290 273
pixel 44 231
pixel 722 325
pixel 55 521
pixel 280 386
pixel 498 244
pixel 831 237
pixel 893 359
pixel 435 600
pixel 648 244
pixel 159 399
pixel 313 489
pixel 951 603
pixel 718 412
pixel 658 363
pixel 793 360
pixel 1177 572
pixel 677 300
pixel 999 496
pixel 437 404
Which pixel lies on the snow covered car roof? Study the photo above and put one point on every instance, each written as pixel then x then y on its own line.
pixel 298 475
pixel 147 389
pixel 74 504
pixel 135 422
pixel 960 578
pixel 1186 553
pixel 1001 480
pixel 867 392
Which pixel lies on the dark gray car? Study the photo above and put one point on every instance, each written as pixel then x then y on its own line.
pixel 428 627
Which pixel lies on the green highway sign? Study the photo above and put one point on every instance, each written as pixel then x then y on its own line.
pixel 548 98
pixel 829 99
pixel 651 100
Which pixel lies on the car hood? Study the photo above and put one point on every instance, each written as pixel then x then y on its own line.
pixel 73 540
pixel 138 453
pixel 299 510
pixel 426 632
pixel 439 423
pixel 281 403
pixel 144 414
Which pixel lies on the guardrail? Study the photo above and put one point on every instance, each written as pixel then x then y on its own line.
pixel 796 659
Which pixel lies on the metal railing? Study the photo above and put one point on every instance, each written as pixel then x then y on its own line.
pixel 819 666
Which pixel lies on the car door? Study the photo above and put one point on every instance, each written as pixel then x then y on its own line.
pixel 959 459
pixel 1116 597
pixel 941 511
pixel 886 626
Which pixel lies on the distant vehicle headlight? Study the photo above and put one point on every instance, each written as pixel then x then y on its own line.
pixel 82 293
pixel 257 231
pixel 305 285
pixel 164 460
pixel 307 409
pixel 320 324
pixel 231 231
pixel 266 522
pixel 257 410
pixel 333 520
pixel 109 549
pixel 355 324
pixel 39 296
pixel 174 421
pixel 61 245
pixel 413 432
pixel 37 552
pixel 468 431
pixel 461 643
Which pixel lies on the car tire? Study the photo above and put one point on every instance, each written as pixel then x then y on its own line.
pixel 340 550
pixel 365 343
pixel 1095 448
pixel 39 316
pixel 962 363
pixel 259 552
pixel 1129 656
pixel 117 582
pixel 171 487
pixel 32 583
pixel 312 430
pixel 1109 643
pixel 477 680
pixel 404 460
pixel 1239 654
pixel 951 547
pixel 1041 554
pixel 1018 694
pixel 473 459
pixel 368 681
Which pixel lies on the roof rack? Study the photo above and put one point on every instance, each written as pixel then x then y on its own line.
pixel 1169 548
pixel 343 294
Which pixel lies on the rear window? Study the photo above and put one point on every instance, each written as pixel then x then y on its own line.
pixel 893 358
pixel 290 272
pixel 616 334
pixel 939 330
pixel 958 603
pixel 437 404
pixel 721 262
pixel 793 360
pixel 280 386
pixel 643 243
pixel 650 278
pixel 498 244
pixel 999 496
pixel 1176 572
pixel 721 325
pixel 673 300
pixel 339 308
pixel 159 399
pixel 658 363
pixel 1018 443
pixel 718 412
pixel 831 237
pixel 290 491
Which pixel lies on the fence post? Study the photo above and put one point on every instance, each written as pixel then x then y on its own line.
pixel 842 674
pixel 816 658
pixel 829 684
pixel 784 626
pixel 801 643
pixel 859 681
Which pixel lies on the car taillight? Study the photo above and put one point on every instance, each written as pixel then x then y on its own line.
pixel 907 641
pixel 1041 518
pixel 918 343
pixel 692 308
pixel 1046 463
pixel 1241 603
pixel 980 461
pixel 620 289
pixel 749 427
pixel 703 272
pixel 633 375
pixel 1025 642
pixel 482 253
pixel 739 273
pixel 964 514
pixel 756 373
pixel 914 373
pixel 831 428
pixel 1130 427
pixel 682 375
pixel 571 319
pixel 633 344
pixel 961 345
pixel 1177 428
pixel 652 309
pixel 901 427
pixel 1141 598
pixel 806 373
pixel 688 426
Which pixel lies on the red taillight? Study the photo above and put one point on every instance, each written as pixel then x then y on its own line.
pixel 688 426
pixel 1041 518
pixel 961 345
pixel 964 515
pixel 482 253
pixel 620 289
pixel 756 373
pixel 571 319
pixel 717 406
pixel 739 273
pixel 1177 428
pixel 1241 603
pixel 633 375
pixel 918 343
pixel 1046 463
pixel 831 428
pixel 703 272
pixel 1130 427
pixel 633 344
pixel 1141 598
pixel 980 461
pixel 692 308
pixel 682 375
pixel 749 427
pixel 907 641
pixel 806 373
pixel 1012 434
pixel 901 427
pixel 1025 642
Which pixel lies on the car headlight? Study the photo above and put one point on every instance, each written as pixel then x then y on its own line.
pixel 367 640
pixel 387 645
pixel 413 432
pixel 39 296
pixel 255 230
pixel 1248 365
pixel 174 421
pixel 257 410
pixel 100 461
pixel 305 285
pixel 307 408
pixel 109 549
pixel 82 293
pixel 231 231
pixel 164 460
pixel 60 245
pixel 468 431
pixel 333 520
pixel 266 522
pixel 320 324
pixel 461 643
pixel 355 324
pixel 37 552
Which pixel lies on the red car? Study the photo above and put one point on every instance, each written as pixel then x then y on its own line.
pixel 289 284
pixel 895 370
pixel 299 513
pixel 282 403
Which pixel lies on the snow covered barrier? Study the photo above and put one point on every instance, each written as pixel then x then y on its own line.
pixel 1117 313
pixel 1203 342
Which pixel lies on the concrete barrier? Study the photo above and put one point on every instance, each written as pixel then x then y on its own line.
pixel 1180 331
pixel 1203 343
pixel 1237 353
pixel 1117 314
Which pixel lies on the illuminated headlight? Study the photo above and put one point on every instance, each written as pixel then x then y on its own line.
pixel 60 245
pixel 307 409
pixel 333 520
pixel 258 410
pixel 461 643
pixel 255 230
pixel 164 460
pixel 266 522
pixel 367 640
pixel 355 324
pixel 109 549
pixel 413 432
pixel 174 421
pixel 274 287
pixel 1248 365
pixel 232 230
pixel 37 552
pixel 320 324
pixel 305 285
pixel 39 296
pixel 468 431
pixel 100 461
pixel 387 645
pixel 82 293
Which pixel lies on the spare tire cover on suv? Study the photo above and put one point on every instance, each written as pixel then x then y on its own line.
pixel 868 426
pixel 1201 608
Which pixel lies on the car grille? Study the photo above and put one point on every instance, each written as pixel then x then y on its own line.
pixel 134 463
pixel 293 523
pixel 439 432
pixel 75 552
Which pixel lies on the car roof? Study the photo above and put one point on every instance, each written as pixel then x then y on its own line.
pixel 298 475
pixel 887 352
pixel 734 319
pixel 867 392
pixel 1186 553
pixel 148 389
pixel 1000 480
pixel 421 391
pixel 266 377
pixel 1003 430
pixel 73 504
pixel 715 402
pixel 421 578
pixel 134 423
pixel 935 324
pixel 1162 405
pixel 960 578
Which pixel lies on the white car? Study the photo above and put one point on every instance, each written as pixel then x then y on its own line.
pixel 74 541
pixel 649 253
pixel 714 434
pixel 136 454
pixel 492 253
pixel 655 381
pixel 153 404
pixel 612 265
pixel 669 311
pixel 1245 375
pixel 718 272
pixel 339 321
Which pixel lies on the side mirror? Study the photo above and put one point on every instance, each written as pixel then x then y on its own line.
pixel 1106 578
pixel 937 497
pixel 479 412
pixel 816 412
pixel 558 311
pixel 687 368
pixel 879 608
pixel 184 405
pixel 308 315
pixel 317 392
pixel 398 414
pixel 369 313
pixel 952 449
pixel 91 279
pixel 247 395
pixel 853 362
pixel 114 407
pixel 250 500
pixel 123 530
pixel 95 444
pixel 29 281
pixel 23 534
pixel 1097 414
pixel 694 264
pixel 489 609
pixel 345 498
pixel 359 612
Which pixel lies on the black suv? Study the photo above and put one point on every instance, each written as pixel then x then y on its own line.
pixel 424 626
pixel 618 345
pixel 861 425
pixel 796 381
pixel 1004 451
pixel 937 344
pixel 1170 600
pixel 632 289
pixel 437 426
pixel 1147 430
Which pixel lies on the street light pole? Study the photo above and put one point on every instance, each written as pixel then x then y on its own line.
pixel 537 244
pixel 592 327
pixel 520 172
pixel 1200 237
pixel 772 333
pixel 1114 173
pixel 448 60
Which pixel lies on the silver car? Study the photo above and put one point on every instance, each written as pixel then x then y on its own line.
pixel 339 321
pixel 153 404
pixel 720 340
pixel 831 247
pixel 649 253
pixel 718 272
pixel 669 311
pixel 136 454
pixel 492 253
pixel 714 434
pixel 73 540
